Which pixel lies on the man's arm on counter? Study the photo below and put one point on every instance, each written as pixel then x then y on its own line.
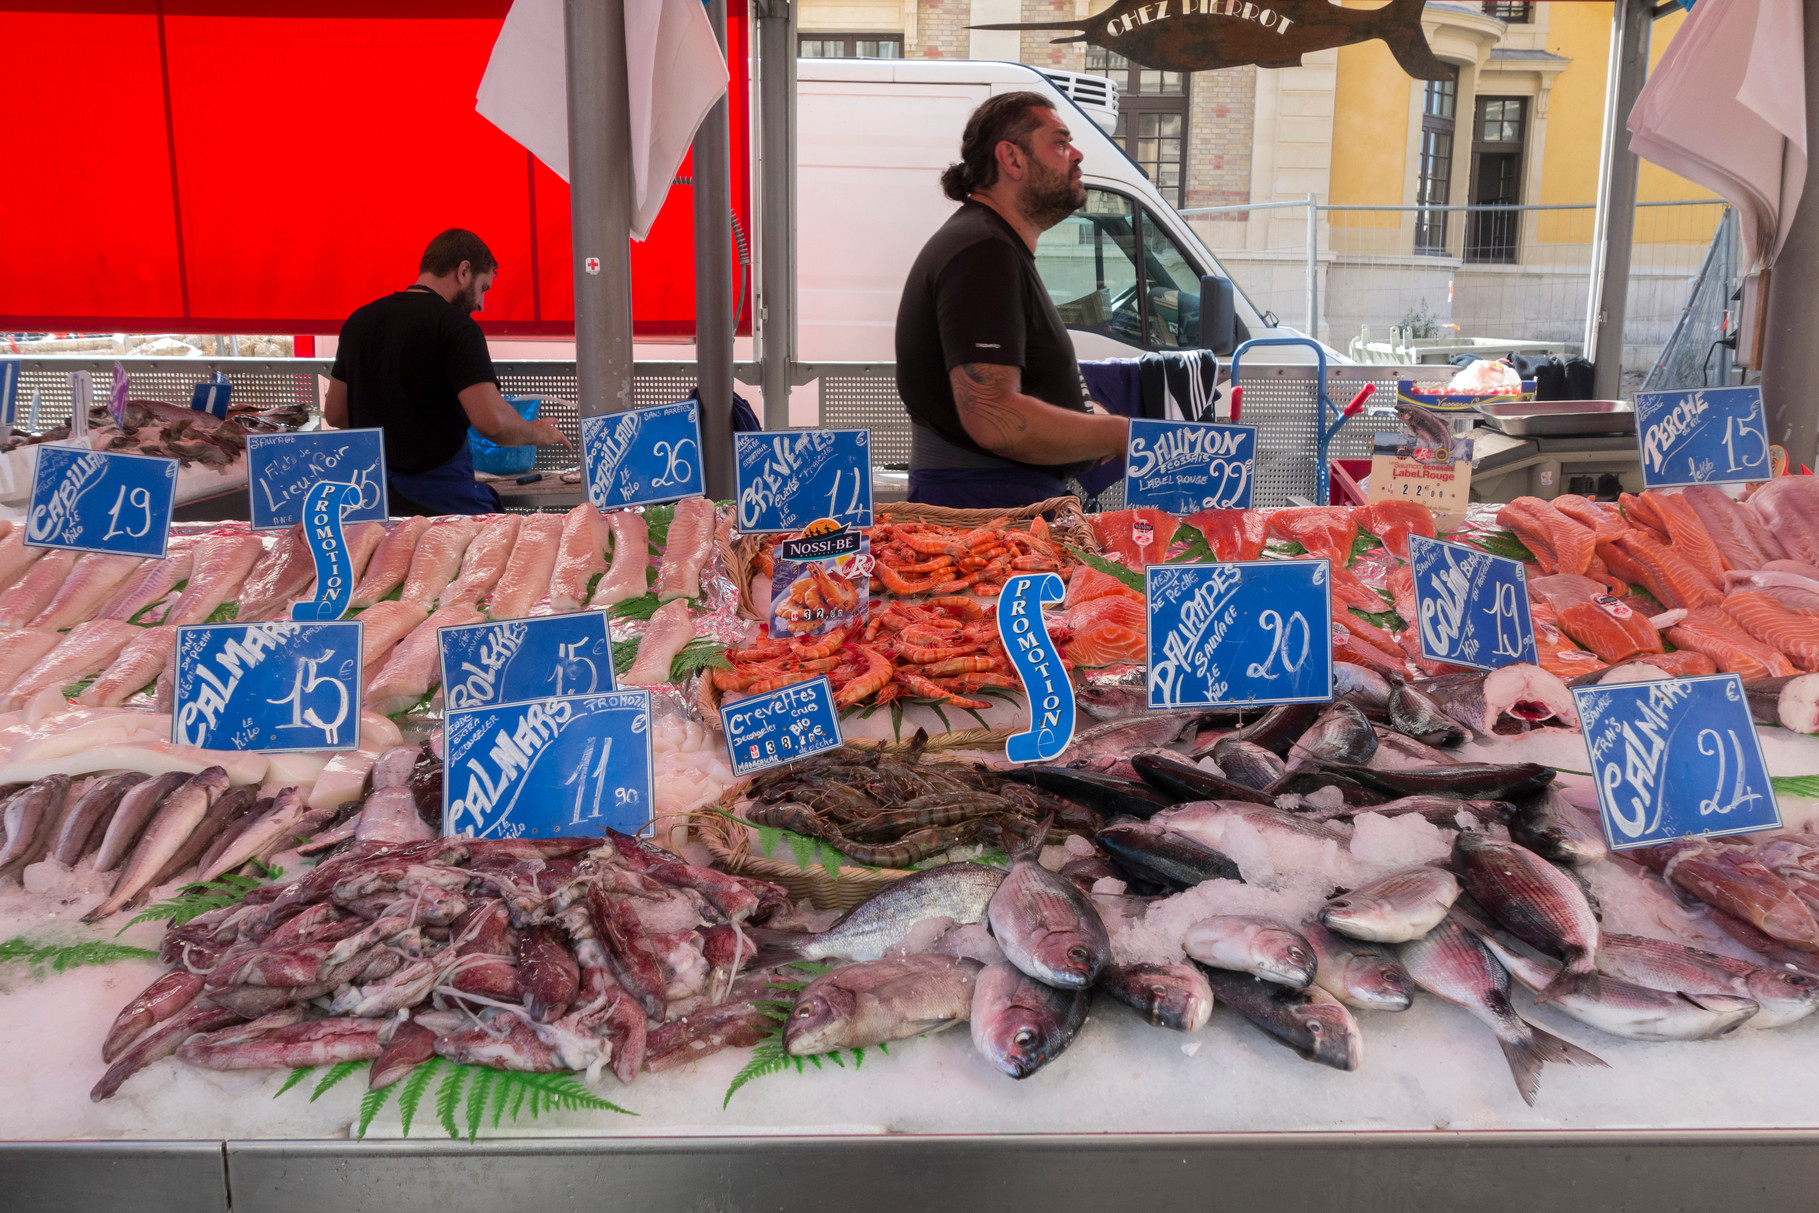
pixel 488 412
pixel 1002 419
pixel 334 405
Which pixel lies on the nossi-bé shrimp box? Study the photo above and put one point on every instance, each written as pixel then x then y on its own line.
pixel 820 580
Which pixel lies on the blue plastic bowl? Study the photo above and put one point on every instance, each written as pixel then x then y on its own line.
pixel 499 460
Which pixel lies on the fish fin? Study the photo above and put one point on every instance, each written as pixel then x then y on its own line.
pixel 1564 1052
pixel 775 948
pixel 1573 980
pixel 1033 845
pixel 1525 1057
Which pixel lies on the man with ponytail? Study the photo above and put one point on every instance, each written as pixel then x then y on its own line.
pixel 985 366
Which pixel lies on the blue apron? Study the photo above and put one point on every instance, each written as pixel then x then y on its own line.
pixel 448 489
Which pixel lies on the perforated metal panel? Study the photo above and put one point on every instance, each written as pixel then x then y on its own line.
pixel 863 396
pixel 269 385
pixel 1283 403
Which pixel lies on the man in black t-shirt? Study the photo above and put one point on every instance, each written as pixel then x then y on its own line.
pixel 984 364
pixel 416 365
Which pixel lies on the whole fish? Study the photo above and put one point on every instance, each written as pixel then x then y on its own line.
pixel 1168 995
pixel 1537 902
pixel 1428 428
pixel 129 819
pixel 1303 783
pixel 1113 700
pixel 1553 827
pixel 1258 946
pixel 1280 726
pixel 1311 1022
pixel 1184 781
pixel 1414 713
pixel 1400 752
pixel 1207 821
pixel 1479 780
pixel 85 824
pixel 1363 975
pixel 1019 1024
pixel 957 891
pixel 225 839
pixel 1784 996
pixel 1106 794
pixel 280 821
pixel 29 818
pixel 1399 907
pixel 1047 927
pixel 1248 763
pixel 876 1001
pixel 179 815
pixel 1361 684
pixel 1342 734
pixel 1443 811
pixel 1120 737
pixel 1158 855
pixel 223 815
pixel 1450 963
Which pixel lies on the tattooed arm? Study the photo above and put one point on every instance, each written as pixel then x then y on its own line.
pixel 1002 419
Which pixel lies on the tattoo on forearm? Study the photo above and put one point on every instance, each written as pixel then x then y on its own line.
pixel 982 396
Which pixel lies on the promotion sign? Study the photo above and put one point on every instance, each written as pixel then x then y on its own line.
pixel 1675 758
pixel 1032 652
pixel 549 768
pixel 782 726
pixel 1709 435
pixel 282 468
pixel 1252 631
pixel 322 511
pixel 643 456
pixel 268 686
pixel 1473 606
pixel 517 660
pixel 101 501
pixel 1186 466
pixel 789 480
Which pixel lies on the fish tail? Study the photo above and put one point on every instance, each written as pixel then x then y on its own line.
pixel 1580 977
pixel 1563 1052
pixel 1033 844
pixel 775 948
pixel 1526 1056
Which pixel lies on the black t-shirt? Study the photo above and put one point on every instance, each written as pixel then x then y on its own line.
pixel 974 295
pixel 405 359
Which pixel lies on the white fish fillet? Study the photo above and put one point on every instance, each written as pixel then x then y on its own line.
pixel 436 560
pixel 15 558
pixel 90 584
pixel 415 666
pixel 281 574
pixel 670 631
pixel 526 577
pixel 20 604
pixel 631 557
pixel 136 668
pixel 217 571
pixel 580 557
pixel 690 542
pixel 391 563
pixel 384 625
pixel 485 560
pixel 88 649
pixel 152 581
pixel 21 650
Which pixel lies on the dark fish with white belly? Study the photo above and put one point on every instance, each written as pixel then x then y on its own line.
pixel 1341 734
pixel 956 891
pixel 1479 780
pixel 1261 947
pixel 875 1001
pixel 1363 975
pixel 1019 1024
pixel 86 823
pixel 1311 1022
pixel 1185 781
pixel 1784 996
pixel 1554 828
pixel 1400 752
pixel 180 814
pixel 1047 927
pixel 1361 684
pixel 1537 902
pixel 1248 763
pixel 1159 855
pixel 1414 713
pixel 1173 996
pixel 1394 909
pixel 130 816
pixel 1507 701
pixel 1107 794
pixel 29 818
pixel 1281 726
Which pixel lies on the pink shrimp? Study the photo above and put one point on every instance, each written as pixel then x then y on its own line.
pixel 876 677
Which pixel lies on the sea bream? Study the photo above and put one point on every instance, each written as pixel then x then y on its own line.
pixel 1247 944
pixel 1395 908
pixel 1174 996
pixel 1020 1024
pixel 1047 927
pixel 877 1001
pixel 1310 1021
pixel 1784 996
pixel 1363 975
pixel 1537 902
pixel 958 892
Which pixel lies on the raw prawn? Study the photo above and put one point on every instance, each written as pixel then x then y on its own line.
pixel 956 665
pixel 922 688
pixel 877 676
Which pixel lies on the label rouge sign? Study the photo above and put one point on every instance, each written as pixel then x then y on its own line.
pixel 99 501
pixel 1473 606
pixel 788 480
pixel 643 456
pixel 268 686
pixel 782 726
pixel 1254 631
pixel 516 660
pixel 282 468
pixel 1713 435
pixel 1185 466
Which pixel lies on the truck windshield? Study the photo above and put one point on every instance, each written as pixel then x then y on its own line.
pixel 1113 270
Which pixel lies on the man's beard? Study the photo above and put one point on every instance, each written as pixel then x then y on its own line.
pixel 1049 197
pixel 468 300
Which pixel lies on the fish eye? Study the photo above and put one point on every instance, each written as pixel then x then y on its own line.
pixel 1158 991
pixel 1024 1036
pixel 1078 954
pixel 1316 1029
pixel 1297 955
pixel 803 1012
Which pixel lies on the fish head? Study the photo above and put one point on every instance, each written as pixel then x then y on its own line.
pixel 1358 915
pixel 1783 988
pixel 1333 1037
pixel 1286 954
pixel 1378 982
pixel 818 1021
pixel 1172 996
pixel 1068 959
pixel 1019 1040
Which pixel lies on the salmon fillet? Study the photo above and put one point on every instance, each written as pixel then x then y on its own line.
pixel 1641 515
pixel 1659 569
pixel 1555 651
pixel 1600 517
pixel 1232 534
pixel 1709 630
pixel 1613 631
pixel 1135 537
pixel 1560 544
pixel 1769 621
pixel 1394 521
pixel 1107 630
pixel 1086 583
pixel 1690 539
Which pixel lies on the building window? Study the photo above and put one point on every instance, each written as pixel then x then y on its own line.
pixel 1497 145
pixel 1515 14
pixel 1434 173
pixel 850 46
pixel 1152 118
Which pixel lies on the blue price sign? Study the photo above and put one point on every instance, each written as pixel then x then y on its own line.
pixel 1033 656
pixel 1473 606
pixel 1675 758
pixel 789 480
pixel 643 456
pixel 9 392
pixel 1185 466
pixel 782 726
pixel 1708 435
pixel 517 660
pixel 101 501
pixel 268 686
pixel 1252 631
pixel 550 768
pixel 281 469
pixel 212 397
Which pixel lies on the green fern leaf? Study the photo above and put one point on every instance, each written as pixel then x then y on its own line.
pixel 884 1048
pixel 641 607
pixel 1502 543
pixel 801 846
pixel 1111 569
pixel 501 1090
pixel 476 1099
pixel 297 1076
pixel 370 1103
pixel 858 1058
pixel 448 1098
pixel 336 1074
pixel 830 860
pixel 768 838
pixel 411 1090
pixel 1796 785
pixel 813 1057
pixel 225 613
pixel 518 1093
pixel 835 1058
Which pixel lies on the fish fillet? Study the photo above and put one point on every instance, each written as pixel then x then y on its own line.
pixel 391 563
pixel 1730 526
pixel 526 577
pixel 1555 651
pixel 285 571
pixel 580 557
pixel 1640 514
pixel 1658 568
pixel 1232 534
pixel 21 650
pixel 1710 630
pixel 1765 618
pixel 33 591
pixel 1690 539
pixel 1394 521
pixel 670 631
pixel 383 625
pixel 690 542
pixel 136 668
pixel 1139 537
pixel 485 560
pixel 1610 629
pixel 631 557
pixel 1604 520
pixel 415 667
pixel 1788 506
pixel 150 582
pixel 87 649
pixel 1560 544
pixel 436 560
pixel 15 558
pixel 219 568
pixel 91 582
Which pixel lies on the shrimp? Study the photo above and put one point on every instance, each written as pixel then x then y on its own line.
pixel 966 608
pixel 836 590
pixel 877 676
pixel 778 682
pixel 896 583
pixel 1036 564
pixel 927 634
pixel 922 688
pixel 927 566
pixel 988 589
pixel 966 684
pixel 922 655
pixel 957 665
pixel 822 646
pixel 934 545
pixel 764 650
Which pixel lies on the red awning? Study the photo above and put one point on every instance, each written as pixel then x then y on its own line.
pixel 239 167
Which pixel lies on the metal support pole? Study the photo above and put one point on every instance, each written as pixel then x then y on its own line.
pixel 1313 268
pixel 1790 355
pixel 776 310
pixel 1614 222
pixel 712 173
pixel 600 204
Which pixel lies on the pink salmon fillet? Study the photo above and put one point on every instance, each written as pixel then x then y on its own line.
pixel 415 666
pixel 669 633
pixel 1765 618
pixel 33 592
pixel 486 558
pixel 1710 630
pixel 90 584
pixel 88 649
pixel 282 573
pixel 437 559
pixel 526 576
pixel 1742 542
pixel 152 581
pixel 1690 538
pixel 22 650
pixel 691 540
pixel 136 668
pixel 1788 506
pixel 15 558
pixel 631 557
pixel 383 625
pixel 216 574
pixel 580 557
pixel 391 563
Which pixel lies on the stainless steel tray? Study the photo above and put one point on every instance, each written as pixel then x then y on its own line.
pixel 1560 418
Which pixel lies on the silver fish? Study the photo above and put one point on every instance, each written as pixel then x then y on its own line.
pixel 1113 696
pixel 30 816
pixel 1399 907
pixel 1019 1024
pixel 85 826
pixel 1247 763
pixel 1553 827
pixel 1784 996
pixel 279 822
pixel 1311 1021
pixel 1363 975
pixel 956 891
pixel 1206 821
pixel 1361 683
pixel 1413 712
pixel 1400 752
pixel 128 822
pixel 1047 927
pixel 1537 902
pixel 1169 995
pixel 1258 946
pixel 179 815
pixel 1428 428
pixel 1342 734
pixel 879 1000
pixel 1450 963
pixel 1125 735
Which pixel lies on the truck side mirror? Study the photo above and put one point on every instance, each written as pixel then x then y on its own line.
pixel 1218 315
